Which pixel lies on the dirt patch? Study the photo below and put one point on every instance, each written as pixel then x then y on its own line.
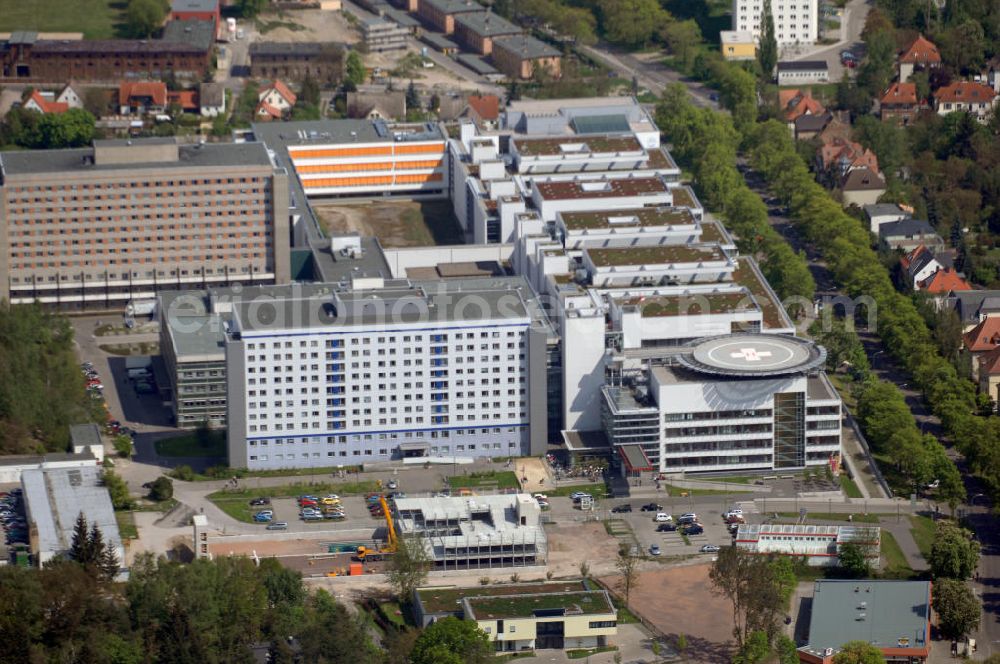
pixel 572 543
pixel 678 601
pixel 394 223
pixel 306 25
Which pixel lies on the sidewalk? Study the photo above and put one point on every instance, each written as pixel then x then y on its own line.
pixel 904 537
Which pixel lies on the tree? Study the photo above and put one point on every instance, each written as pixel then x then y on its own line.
pixel 755 650
pixel 161 489
pixel 250 8
pixel 628 567
pixel 120 497
pixel 750 584
pixel 683 38
pixel 412 97
pixel 144 17
pixel 450 641
pixel 309 94
pixel 957 608
pixel 407 568
pixel 123 445
pixel 767 52
pixel 858 652
pixel 79 549
pixel 631 23
pixel 786 650
pixel 954 554
pixel 354 71
pixel 854 560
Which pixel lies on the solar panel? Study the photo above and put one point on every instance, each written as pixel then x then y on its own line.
pixel 600 124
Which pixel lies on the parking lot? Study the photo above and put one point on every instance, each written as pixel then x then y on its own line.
pixel 12 521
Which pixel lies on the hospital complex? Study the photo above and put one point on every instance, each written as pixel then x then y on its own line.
pixel 593 304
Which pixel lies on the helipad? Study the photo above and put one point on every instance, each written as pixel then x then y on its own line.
pixel 753 355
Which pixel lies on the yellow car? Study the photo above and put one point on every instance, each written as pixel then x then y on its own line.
pixel 330 501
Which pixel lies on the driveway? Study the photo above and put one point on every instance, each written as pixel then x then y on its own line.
pixel 851 24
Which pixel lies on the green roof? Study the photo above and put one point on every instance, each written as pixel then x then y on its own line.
pixel 887 614
pixel 693 304
pixel 684 197
pixel 571 145
pixel 658 255
pixel 645 216
pixel 774 315
pixel 599 124
pixel 588 602
pixel 445 600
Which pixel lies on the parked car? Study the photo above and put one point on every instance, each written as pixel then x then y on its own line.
pixel 262 518
pixel 733 511
pixel 576 496
pixel 334 515
pixel 663 517
pixel 312 517
pixel 654 550
pixel 690 517
pixel 651 507
pixel 694 529
pixel 666 528
pixel 622 509
pixel 277 525
pixel 393 485
pixel 709 548
pixel 260 501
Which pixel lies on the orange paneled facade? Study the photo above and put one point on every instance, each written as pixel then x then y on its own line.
pixel 386 165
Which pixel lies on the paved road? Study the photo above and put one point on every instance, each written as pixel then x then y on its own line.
pixel 650 72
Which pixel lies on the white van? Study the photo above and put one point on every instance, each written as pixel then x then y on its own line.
pixel 663 517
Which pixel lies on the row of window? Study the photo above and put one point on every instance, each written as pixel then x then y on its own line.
pixel 98 278
pixel 446 449
pixel 172 185
pixel 382 421
pixel 418 338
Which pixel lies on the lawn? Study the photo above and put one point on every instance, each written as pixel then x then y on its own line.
pixel 849 487
pixel 504 479
pixel 297 489
pixel 923 534
pixel 97 19
pixel 587 652
pixel 595 490
pixel 238 508
pixel 126 525
pixel 395 223
pixel 895 566
pixel 193 444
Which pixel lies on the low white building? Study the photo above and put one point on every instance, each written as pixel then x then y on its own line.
pixel 475 532
pixel 803 72
pixel 12 466
pixel 55 497
pixel 819 545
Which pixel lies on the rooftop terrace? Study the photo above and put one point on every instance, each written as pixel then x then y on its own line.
pixel 693 305
pixel 774 314
pixel 589 602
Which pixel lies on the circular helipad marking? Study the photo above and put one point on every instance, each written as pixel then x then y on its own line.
pixel 752 354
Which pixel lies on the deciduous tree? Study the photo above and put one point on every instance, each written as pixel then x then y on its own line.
pixel 408 568
pixel 767 51
pixel 954 554
pixel 627 565
pixel 957 608
pixel 450 641
pixel 859 652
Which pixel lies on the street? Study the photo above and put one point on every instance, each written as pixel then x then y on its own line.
pixel 650 72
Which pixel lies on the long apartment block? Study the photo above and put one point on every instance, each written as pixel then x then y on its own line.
pixel 95 227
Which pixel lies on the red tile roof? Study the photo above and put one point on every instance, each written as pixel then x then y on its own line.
pixel 853 153
pixel 487 107
pixel 944 281
pixel 907 260
pixel 989 364
pixel 265 109
pixel 154 90
pixel 282 89
pixel 799 104
pixel 985 336
pixel 186 99
pixel 900 93
pixel 46 106
pixel 921 52
pixel 965 92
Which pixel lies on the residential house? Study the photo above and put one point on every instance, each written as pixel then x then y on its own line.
pixel 186 100
pixel 45 103
pixel 277 95
pixel 69 97
pixel 839 128
pixel 899 104
pixel 839 156
pixel 806 117
pixel 883 213
pixel 975 306
pixel 484 110
pixel 519 56
pixel 943 282
pixel 981 340
pixel 142 97
pixel 921 54
pixel 908 234
pixel 987 369
pixel 266 113
pixel 920 264
pixel 798 72
pixel 296 61
pixel 737 45
pixel 809 126
pixel 862 186
pixel 974 98
pixel 385 105
pixel 212 99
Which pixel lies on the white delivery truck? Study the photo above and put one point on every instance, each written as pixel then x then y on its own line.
pixel 140 308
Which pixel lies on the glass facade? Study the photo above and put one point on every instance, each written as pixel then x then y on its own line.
pixel 789 430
